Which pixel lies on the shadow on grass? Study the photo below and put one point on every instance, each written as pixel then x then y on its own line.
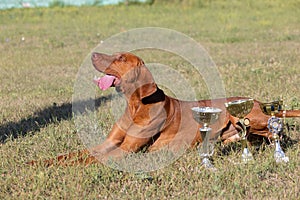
pixel 49 115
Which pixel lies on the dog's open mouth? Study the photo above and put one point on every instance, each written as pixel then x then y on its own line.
pixel 106 81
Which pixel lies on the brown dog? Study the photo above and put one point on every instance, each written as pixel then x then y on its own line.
pixel 155 120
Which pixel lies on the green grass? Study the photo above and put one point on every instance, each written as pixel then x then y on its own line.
pixel 255 46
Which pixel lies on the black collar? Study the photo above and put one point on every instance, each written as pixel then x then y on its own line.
pixel 157 96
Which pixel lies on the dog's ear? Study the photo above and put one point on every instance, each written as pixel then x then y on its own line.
pixel 145 82
pixel 148 91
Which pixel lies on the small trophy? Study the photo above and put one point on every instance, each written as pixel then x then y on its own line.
pixel 206 116
pixel 275 126
pixel 240 108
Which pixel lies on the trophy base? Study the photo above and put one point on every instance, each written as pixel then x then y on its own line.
pixel 280 158
pixel 206 163
pixel 279 155
pixel 247 156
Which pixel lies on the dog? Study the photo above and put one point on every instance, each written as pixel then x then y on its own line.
pixel 154 120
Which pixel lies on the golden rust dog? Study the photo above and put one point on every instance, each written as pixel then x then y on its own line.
pixel 155 120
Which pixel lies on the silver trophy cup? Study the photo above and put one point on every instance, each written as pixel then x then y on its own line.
pixel 206 116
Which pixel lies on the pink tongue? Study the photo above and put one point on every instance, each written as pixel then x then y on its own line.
pixel 105 82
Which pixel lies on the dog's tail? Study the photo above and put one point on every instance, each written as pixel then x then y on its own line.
pixel 288 113
pixel 70 159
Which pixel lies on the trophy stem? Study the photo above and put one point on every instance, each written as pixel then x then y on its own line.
pixel 246 155
pixel 244 129
pixel 205 134
pixel 205 152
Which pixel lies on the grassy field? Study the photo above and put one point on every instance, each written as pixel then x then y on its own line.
pixel 255 45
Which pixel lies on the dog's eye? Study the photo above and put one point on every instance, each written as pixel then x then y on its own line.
pixel 122 58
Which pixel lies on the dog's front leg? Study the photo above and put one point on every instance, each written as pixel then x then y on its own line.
pixel 113 141
pixel 129 145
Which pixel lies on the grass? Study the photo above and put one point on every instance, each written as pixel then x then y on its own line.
pixel 255 46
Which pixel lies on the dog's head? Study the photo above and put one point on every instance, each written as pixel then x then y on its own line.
pixel 126 72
